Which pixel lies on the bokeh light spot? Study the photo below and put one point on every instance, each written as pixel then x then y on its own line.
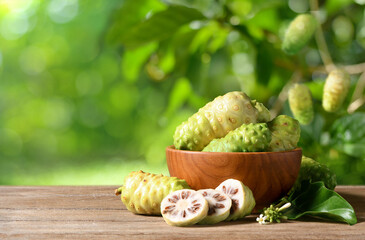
pixel 242 64
pixel 299 6
pixel 13 26
pixel 343 29
pixel 63 11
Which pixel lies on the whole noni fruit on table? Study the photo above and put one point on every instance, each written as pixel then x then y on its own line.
pixel 314 171
pixel 142 192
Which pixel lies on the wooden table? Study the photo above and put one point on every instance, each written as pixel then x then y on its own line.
pixel 94 212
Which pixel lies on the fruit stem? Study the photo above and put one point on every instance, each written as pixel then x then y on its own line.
pixel 319 37
pixel 118 191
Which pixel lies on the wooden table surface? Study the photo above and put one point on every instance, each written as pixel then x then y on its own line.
pixel 94 212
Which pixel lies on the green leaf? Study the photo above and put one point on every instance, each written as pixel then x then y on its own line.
pixel 209 38
pixel 316 88
pixel 316 200
pixel 179 95
pixel 266 19
pixel 348 134
pixel 134 59
pixel 130 14
pixel 160 26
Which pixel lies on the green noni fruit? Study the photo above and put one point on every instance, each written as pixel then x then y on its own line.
pixel 314 171
pixel 299 32
pixel 247 138
pixel 335 90
pixel 142 193
pixel 215 120
pixel 301 105
pixel 263 113
pixel 285 133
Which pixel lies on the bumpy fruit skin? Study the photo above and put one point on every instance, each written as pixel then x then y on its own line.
pixel 263 113
pixel 301 104
pixel 335 90
pixel 314 171
pixel 299 32
pixel 285 133
pixel 253 137
pixel 142 192
pixel 215 120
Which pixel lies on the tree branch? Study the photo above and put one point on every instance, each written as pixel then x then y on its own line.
pixel 351 69
pixel 358 98
pixel 319 37
pixel 356 105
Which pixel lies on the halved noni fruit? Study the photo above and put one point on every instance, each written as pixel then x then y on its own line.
pixel 184 208
pixel 219 206
pixel 242 198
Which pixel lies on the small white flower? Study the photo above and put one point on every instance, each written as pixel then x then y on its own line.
pixel 262 219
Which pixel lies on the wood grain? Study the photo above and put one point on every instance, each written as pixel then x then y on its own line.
pixel 94 212
pixel 269 175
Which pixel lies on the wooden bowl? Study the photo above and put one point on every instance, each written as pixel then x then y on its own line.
pixel 269 175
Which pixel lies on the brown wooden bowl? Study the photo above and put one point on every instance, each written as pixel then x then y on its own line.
pixel 269 175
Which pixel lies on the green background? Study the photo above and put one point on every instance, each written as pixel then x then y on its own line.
pixel 91 89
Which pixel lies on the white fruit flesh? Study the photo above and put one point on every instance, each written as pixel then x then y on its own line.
pixel 219 206
pixel 242 198
pixel 184 207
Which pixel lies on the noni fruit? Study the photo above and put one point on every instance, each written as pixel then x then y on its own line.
pixel 335 90
pixel 299 32
pixel 314 171
pixel 142 192
pixel 285 133
pixel 300 101
pixel 215 120
pixel 263 113
pixel 253 137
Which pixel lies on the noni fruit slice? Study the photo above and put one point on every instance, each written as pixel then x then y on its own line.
pixel 219 206
pixel 242 198
pixel 184 208
pixel 285 133
pixel 142 192
pixel 314 171
pixel 335 90
pixel 215 120
pixel 253 137
pixel 301 105
pixel 299 32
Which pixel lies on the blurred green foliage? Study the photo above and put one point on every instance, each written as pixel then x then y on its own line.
pixel 92 89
